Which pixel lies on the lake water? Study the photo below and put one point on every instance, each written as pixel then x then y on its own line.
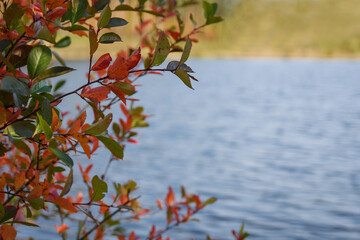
pixel 276 141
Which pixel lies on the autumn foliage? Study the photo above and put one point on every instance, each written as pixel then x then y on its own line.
pixel 37 144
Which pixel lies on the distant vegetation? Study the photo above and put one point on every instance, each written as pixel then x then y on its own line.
pixel 286 28
pixel 262 28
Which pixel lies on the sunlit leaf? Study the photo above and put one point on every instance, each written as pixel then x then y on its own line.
pixel 78 10
pixel 104 17
pixel 100 126
pixel 38 60
pixel 45 127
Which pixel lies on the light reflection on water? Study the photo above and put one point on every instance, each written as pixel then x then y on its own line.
pixel 277 141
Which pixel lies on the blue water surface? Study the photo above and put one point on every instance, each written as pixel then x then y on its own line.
pixel 276 141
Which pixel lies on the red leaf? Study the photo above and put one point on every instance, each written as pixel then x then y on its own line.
pixel 100 93
pixel 134 59
pixel 57 13
pixel 102 63
pixel 119 69
pixel 120 94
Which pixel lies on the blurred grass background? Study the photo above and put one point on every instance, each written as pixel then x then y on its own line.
pixel 263 28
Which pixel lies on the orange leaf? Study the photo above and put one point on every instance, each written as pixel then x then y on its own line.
pixel 20 180
pixel 7 232
pixel 102 63
pixel 80 33
pixel 134 59
pixel 83 140
pixel 35 193
pixel 170 197
pixel 119 69
pixel 100 93
pixel 120 94
pixel 65 203
pixel 99 234
pixel 62 228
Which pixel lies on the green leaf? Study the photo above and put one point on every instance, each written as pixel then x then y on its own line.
pixel 64 42
pixel 4 43
pixel 19 130
pixel 38 60
pixel 99 187
pixel 2 210
pixel 68 184
pixel 173 65
pixel 22 54
pixel 36 203
pixel 29 224
pixel 162 50
pixel 3 150
pixel 109 38
pixel 100 4
pixel 40 87
pixel 75 28
pixel 213 19
pixel 104 17
pixel 125 87
pixel 184 77
pixel 46 35
pixel 7 63
pixel 45 127
pixel 113 146
pixel 116 22
pixel 93 41
pixel 193 20
pixel 23 146
pixel 13 15
pixel 186 52
pixel 78 10
pixel 100 126
pixel 10 212
pixel 209 201
pixel 125 7
pixel 12 84
pixel 54 72
pixel 46 111
pixel 62 156
pixel 28 211
pixel 59 84
pixel 208 9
